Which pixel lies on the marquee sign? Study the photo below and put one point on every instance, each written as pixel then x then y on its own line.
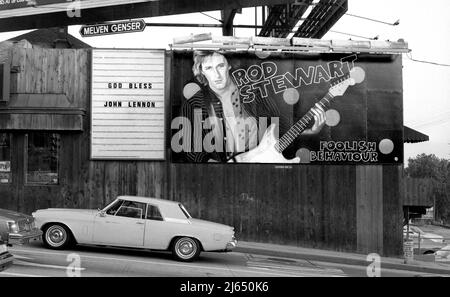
pixel 113 28
pixel 128 104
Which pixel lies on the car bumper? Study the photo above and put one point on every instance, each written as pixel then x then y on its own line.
pixel 231 245
pixel 6 260
pixel 24 237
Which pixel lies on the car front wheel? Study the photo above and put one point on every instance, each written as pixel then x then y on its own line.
pixel 186 249
pixel 57 237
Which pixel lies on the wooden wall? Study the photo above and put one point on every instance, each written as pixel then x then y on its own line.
pixel 344 208
pixel 56 71
pixel 418 192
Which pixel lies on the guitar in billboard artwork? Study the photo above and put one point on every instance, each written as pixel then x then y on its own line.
pixel 270 149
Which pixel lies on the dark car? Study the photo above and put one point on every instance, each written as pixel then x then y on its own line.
pixel 6 259
pixel 17 228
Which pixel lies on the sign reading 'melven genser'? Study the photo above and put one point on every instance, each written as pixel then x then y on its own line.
pixel 127 104
pixel 113 28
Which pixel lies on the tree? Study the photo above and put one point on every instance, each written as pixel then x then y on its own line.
pixel 438 170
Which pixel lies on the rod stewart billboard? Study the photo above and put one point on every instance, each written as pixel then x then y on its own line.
pixel 286 108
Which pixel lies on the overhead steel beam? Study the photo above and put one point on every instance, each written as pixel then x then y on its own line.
pixel 323 16
pixel 227 21
pixel 283 18
pixel 24 19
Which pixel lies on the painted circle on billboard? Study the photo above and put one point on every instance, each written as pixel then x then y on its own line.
pixel 190 90
pixel 386 146
pixel 291 96
pixel 262 54
pixel 333 118
pixel 305 155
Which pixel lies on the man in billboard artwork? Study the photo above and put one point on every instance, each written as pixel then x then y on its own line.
pixel 239 131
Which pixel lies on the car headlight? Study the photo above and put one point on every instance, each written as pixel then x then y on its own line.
pixel 13 227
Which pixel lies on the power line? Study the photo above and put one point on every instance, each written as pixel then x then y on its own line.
pixel 440 120
pixel 426 62
pixel 396 23
pixel 431 124
pixel 211 17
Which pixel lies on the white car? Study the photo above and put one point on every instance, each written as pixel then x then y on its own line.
pixel 136 222
pixel 6 259
pixel 443 254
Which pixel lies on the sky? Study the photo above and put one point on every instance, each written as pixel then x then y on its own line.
pixel 424 25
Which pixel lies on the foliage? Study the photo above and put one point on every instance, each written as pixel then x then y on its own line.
pixel 438 170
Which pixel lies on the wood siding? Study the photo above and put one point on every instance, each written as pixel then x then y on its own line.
pixel 369 214
pixel 418 192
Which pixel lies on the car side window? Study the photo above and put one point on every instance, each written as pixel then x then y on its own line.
pixel 131 209
pixel 113 209
pixel 153 213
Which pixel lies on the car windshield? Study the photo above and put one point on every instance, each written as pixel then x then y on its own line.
pixel 112 204
pixel 184 211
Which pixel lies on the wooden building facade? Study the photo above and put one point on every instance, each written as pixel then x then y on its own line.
pixel 353 208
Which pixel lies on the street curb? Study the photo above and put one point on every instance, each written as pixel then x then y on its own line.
pixel 339 260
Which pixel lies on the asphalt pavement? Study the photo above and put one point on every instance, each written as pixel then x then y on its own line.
pixel 249 259
pixel 426 264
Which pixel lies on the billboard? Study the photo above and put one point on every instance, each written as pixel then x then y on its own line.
pixel 127 106
pixel 261 107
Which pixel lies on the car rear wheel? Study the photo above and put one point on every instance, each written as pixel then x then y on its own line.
pixel 186 249
pixel 57 236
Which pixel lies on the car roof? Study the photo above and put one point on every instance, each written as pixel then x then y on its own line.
pixel 149 200
pixel 168 208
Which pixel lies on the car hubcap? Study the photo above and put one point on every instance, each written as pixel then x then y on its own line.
pixel 186 248
pixel 56 236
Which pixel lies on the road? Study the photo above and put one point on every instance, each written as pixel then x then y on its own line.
pixel 35 261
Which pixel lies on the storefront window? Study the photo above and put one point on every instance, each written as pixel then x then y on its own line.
pixel 42 158
pixel 5 158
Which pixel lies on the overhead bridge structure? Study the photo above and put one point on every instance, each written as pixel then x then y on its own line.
pixel 279 17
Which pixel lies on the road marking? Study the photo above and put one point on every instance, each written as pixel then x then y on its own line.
pixel 22 257
pixel 21 274
pixel 383 270
pixel 299 269
pixel 23 263
pixel 304 274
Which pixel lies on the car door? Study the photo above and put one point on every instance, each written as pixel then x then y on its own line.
pixel 123 224
pixel 157 233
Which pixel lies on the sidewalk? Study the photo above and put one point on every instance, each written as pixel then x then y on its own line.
pixel 283 251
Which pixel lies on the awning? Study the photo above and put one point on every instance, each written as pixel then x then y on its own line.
pixel 413 136
pixel 52 112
